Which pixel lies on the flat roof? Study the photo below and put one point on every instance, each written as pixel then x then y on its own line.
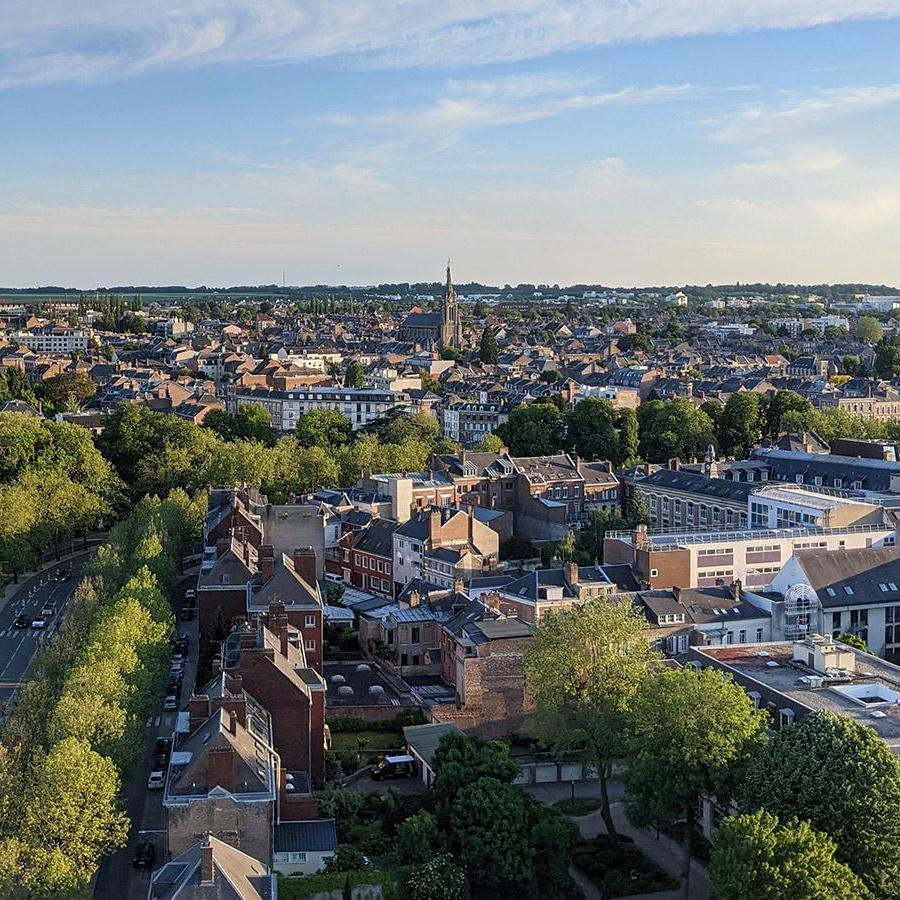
pixel 754 662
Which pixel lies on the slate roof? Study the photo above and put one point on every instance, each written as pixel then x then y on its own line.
pixel 378 538
pixel 862 571
pixel 424 739
pixel 720 488
pixel 316 836
pixel 874 474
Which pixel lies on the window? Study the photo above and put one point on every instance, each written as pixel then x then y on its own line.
pixel 226 579
pixel 404 659
pixel 848 590
pixel 309 622
pixel 416 659
pixel 799 479
pixel 729 637
pixel 296 857
pixel 654 573
pixel 759 635
pixel 390 637
pixel 310 644
pixel 414 634
pixel 785 717
pixel 742 636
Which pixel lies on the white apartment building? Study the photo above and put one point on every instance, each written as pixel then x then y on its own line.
pixel 359 406
pixel 52 340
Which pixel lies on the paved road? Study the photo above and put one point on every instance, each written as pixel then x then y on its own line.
pixel 18 645
pixel 116 878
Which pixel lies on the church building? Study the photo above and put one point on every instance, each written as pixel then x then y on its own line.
pixel 434 329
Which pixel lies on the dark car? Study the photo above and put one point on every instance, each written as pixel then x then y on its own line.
pixel 394 767
pixel 182 644
pixel 163 745
pixel 144 854
pixel 62 575
pixel 23 621
pixel 187 614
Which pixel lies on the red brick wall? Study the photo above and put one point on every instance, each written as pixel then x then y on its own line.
pixel 222 606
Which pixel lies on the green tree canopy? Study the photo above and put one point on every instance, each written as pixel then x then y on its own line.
pixel 355 376
pixel 323 428
pixel 488 351
pixel 869 329
pixel 783 404
pixel 741 424
pixel 674 428
pixel 591 431
pixel 69 391
pixel 841 777
pixel 756 858
pixel 691 734
pixel 534 430
pixel 583 668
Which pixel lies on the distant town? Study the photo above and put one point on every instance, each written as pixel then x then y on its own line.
pixel 450 591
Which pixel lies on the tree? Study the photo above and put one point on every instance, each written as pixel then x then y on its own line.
pixel 741 424
pixel 490 443
pixel 673 429
pixel 869 330
pixel 887 361
pixel 323 428
pixel 535 430
pixel 488 351
pixel 460 760
pixel 355 377
pixel 786 403
pixel 851 365
pixel 69 390
pixel 841 777
pixel 251 422
pixel 691 733
pixel 629 441
pixel 583 668
pixel 488 835
pixel 756 858
pixel 591 431
pixel 853 640
pixel 417 837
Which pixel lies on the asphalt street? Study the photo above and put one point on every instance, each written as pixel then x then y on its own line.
pixel 18 645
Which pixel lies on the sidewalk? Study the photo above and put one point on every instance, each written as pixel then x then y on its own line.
pixel 665 852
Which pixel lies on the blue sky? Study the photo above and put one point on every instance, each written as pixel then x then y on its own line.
pixel 614 141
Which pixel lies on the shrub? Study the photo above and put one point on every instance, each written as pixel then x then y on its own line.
pixel 344 726
pixel 346 858
pixel 417 837
pixel 438 879
pixel 341 805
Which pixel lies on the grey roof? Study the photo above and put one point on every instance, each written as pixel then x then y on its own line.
pixel 314 836
pixel 378 538
pixel 719 488
pixel 424 739
pixel 422 320
pixel 862 571
pixel 874 474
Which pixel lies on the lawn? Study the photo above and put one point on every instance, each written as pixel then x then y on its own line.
pixel 375 741
pixel 580 806
pixel 299 887
pixel 619 869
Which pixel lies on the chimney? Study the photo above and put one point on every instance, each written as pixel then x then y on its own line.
pixel 459 586
pixel 435 520
pixel 266 561
pixel 305 564
pixel 639 537
pixel 234 684
pixel 236 708
pixel 675 464
pixel 570 573
pixel 222 544
pixel 220 768
pixel 207 870
pixel 414 598
pixel 737 589
pixel 198 711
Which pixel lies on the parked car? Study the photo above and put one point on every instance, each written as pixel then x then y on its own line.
pixel 187 614
pixel 39 622
pixel 156 781
pixel 144 854
pixel 182 644
pixel 170 704
pixel 23 620
pixel 173 688
pixel 191 595
pixel 394 767
pixel 161 753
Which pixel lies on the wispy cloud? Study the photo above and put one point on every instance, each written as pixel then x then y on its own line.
pixel 58 40
pixel 794 111
pixel 489 103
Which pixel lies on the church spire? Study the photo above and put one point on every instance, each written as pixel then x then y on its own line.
pixel 449 285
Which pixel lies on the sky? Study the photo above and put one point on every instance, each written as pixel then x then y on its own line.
pixel 621 142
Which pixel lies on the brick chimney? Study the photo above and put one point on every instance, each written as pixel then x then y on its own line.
pixel 737 589
pixel 198 711
pixel 570 573
pixel 234 684
pixel 305 564
pixel 236 708
pixel 220 767
pixel 207 870
pixel 415 598
pixel 639 537
pixel 266 562
pixel 459 586
pixel 435 521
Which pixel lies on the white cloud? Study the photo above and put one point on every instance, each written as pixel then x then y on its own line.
pixel 57 40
